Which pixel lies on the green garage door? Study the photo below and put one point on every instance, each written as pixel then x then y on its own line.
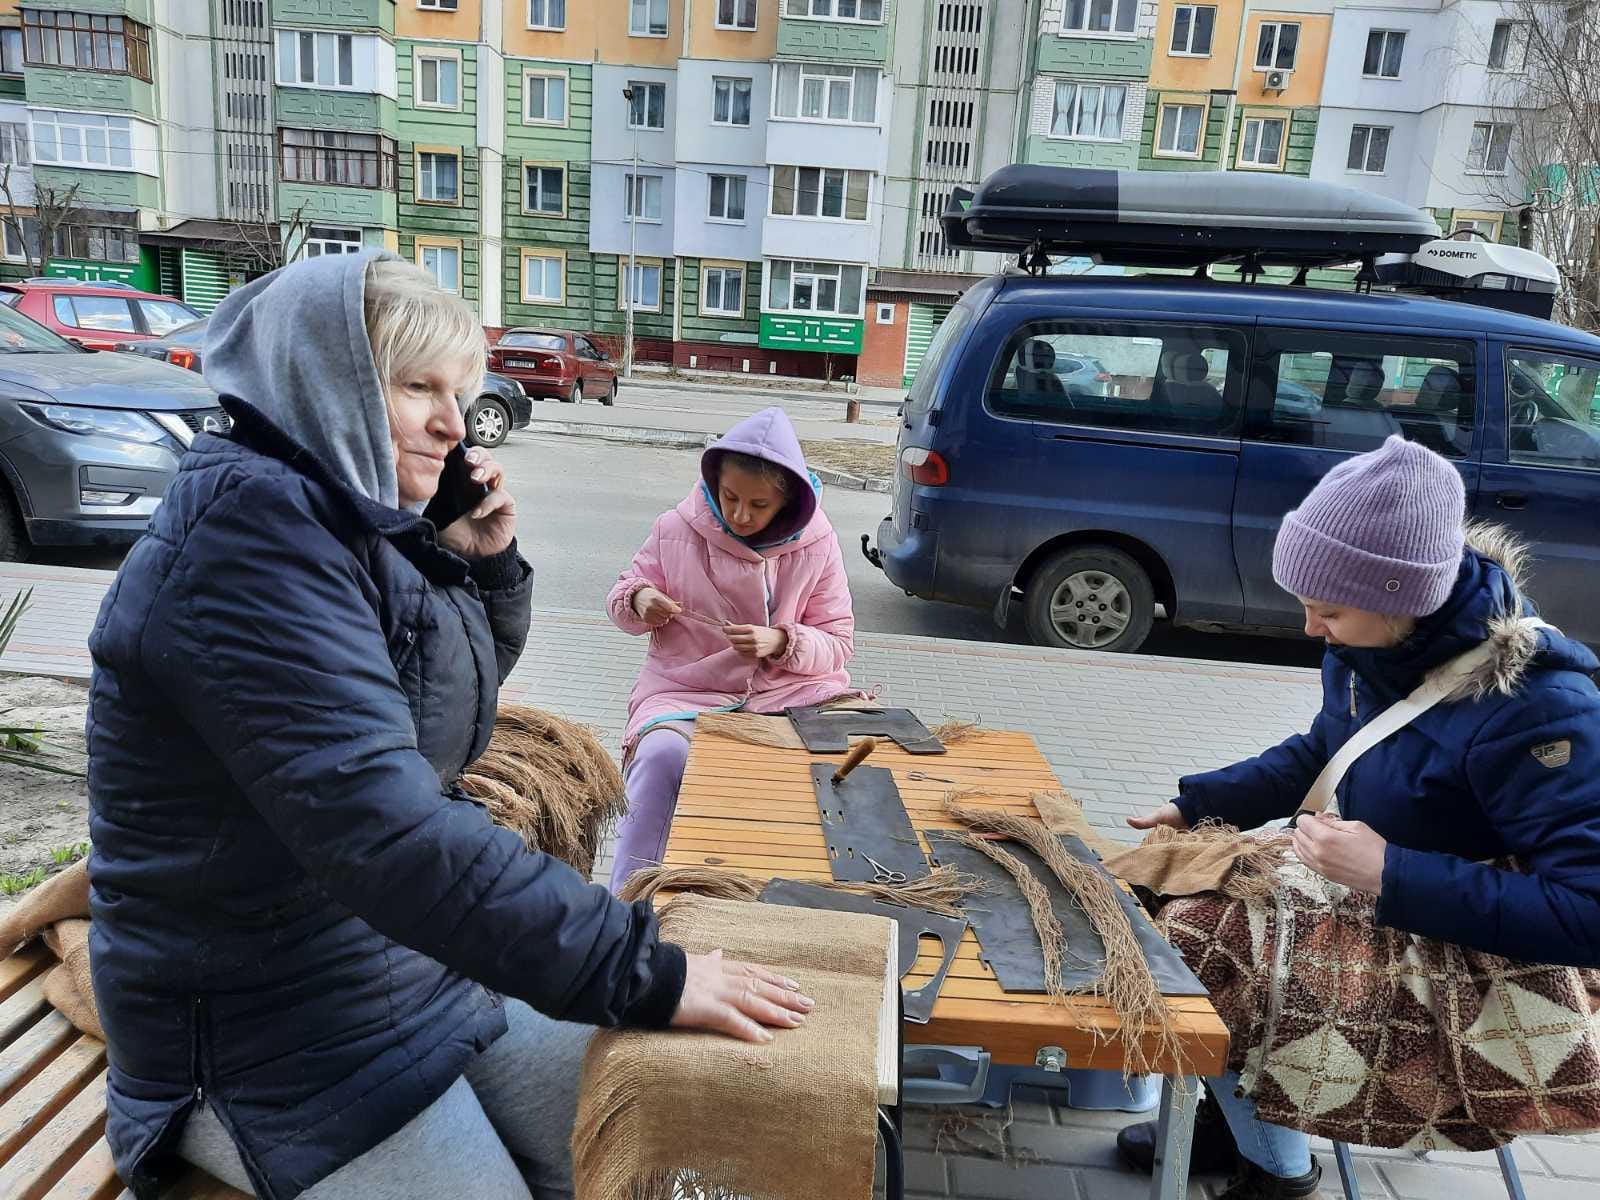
pixel 921 324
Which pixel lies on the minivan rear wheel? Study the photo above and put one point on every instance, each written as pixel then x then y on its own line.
pixel 14 543
pixel 1090 598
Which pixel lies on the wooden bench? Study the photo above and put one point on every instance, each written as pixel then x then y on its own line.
pixel 53 1101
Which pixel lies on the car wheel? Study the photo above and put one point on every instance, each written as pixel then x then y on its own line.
pixel 576 396
pixel 610 397
pixel 488 423
pixel 1090 598
pixel 14 543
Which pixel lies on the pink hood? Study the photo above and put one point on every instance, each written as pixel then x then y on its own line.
pixel 797 585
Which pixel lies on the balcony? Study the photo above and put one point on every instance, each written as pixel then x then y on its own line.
pixel 313 109
pixel 802 35
pixel 109 189
pixel 87 60
pixel 375 15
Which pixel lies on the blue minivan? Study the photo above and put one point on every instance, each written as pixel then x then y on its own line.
pixel 1091 505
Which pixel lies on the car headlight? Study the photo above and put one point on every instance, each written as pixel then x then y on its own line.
pixel 107 422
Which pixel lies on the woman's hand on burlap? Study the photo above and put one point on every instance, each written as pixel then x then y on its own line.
pixel 1168 814
pixel 739 999
pixel 655 608
pixel 1347 852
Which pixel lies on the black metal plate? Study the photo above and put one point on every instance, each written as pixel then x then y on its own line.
pixel 910 924
pixel 829 730
pixel 864 816
pixel 1010 944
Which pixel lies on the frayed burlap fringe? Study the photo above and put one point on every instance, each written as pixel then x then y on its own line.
pixel 1126 983
pixel 1062 813
pixel 1052 938
pixel 941 891
pixel 1211 857
pixel 717 882
pixel 550 781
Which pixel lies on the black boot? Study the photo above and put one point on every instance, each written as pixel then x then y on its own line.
pixel 1213 1152
pixel 1252 1183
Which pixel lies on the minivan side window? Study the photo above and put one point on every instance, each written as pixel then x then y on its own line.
pixel 1149 377
pixel 1330 389
pixel 1552 410
pixel 947 335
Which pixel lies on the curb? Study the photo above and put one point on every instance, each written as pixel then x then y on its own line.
pixel 854 483
pixel 669 385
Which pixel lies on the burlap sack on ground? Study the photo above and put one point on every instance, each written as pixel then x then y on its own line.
pixel 794 1119
pixel 58 911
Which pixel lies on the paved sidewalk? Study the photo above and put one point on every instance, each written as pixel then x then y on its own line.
pixel 1117 730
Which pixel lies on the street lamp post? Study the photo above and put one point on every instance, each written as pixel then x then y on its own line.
pixel 633 245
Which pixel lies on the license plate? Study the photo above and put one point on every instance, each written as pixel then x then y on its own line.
pixel 522 362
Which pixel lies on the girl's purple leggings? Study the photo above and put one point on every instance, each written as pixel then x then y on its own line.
pixel 652 778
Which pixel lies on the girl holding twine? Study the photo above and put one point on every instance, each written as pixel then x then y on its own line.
pixel 742 591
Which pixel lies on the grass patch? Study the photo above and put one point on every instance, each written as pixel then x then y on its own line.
pixel 18 882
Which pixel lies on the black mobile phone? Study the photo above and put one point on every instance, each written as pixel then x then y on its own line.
pixel 458 493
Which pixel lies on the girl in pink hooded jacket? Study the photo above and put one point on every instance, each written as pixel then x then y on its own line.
pixel 742 590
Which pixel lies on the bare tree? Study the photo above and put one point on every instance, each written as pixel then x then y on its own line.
pixel 52 208
pixel 266 245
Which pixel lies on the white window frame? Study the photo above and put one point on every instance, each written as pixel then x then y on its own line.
pixel 1366 149
pixel 565 78
pixel 12 49
pixel 529 254
pixel 439 245
pixel 717 82
pixel 1483 167
pixel 636 188
pixel 1492 232
pixel 437 57
pixel 1277 28
pixel 744 198
pixel 316 35
pixel 349 240
pixel 527 168
pixel 1177 106
pixel 830 10
pixel 822 179
pixel 86 124
pixel 1122 12
pixel 855 80
pixel 644 109
pixel 16 141
pixel 1079 86
pixel 545 8
pixel 739 7
pixel 1189 51
pixel 885 313
pixel 645 265
pixel 1383 52
pixel 437 5
pixel 833 270
pixel 722 269
pixel 649 8
pixel 1516 47
pixel 1249 164
pixel 437 152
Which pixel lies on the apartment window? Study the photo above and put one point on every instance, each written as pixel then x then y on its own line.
pixel 442 262
pixel 641 197
pixel 1099 16
pixel 1276 46
pixel 547 14
pixel 825 192
pixel 321 239
pixel 87 43
pixel 544 277
pixel 647 18
pixel 819 92
pixel 437 5
pixel 1192 27
pixel 18 235
pixel 1089 110
pixel 885 314
pixel 331 156
pixel 11 58
pixel 438 81
pixel 825 289
pixel 648 107
pixel 307 59
pixel 438 177
pixel 867 11
pixel 730 101
pixel 14 144
pixel 736 14
pixel 1261 144
pixel 1508 46
pixel 1384 50
pixel 722 292
pixel 97 243
pixel 544 189
pixel 727 197
pixel 1487 228
pixel 1369 149
pixel 544 99
pixel 1489 149
pixel 645 289
pixel 1181 131
pixel 82 140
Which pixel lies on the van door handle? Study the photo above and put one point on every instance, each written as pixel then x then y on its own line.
pixel 1513 501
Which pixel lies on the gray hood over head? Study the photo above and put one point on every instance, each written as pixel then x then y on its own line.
pixel 293 345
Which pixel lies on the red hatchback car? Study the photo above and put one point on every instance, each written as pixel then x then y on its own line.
pixel 97 316
pixel 555 364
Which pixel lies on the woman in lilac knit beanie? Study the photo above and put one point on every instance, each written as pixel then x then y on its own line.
pixel 1398 586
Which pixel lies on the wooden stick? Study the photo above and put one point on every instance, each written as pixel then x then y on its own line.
pixel 858 755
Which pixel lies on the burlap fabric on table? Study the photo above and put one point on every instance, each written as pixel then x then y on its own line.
pixel 1351 1030
pixel 57 911
pixel 794 1119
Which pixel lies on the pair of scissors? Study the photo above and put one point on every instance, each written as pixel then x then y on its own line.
pixel 881 873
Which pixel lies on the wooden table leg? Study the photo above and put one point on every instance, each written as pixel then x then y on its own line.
pixel 1180 1094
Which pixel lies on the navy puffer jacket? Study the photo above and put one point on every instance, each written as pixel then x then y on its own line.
pixel 296 919
pixel 1507 767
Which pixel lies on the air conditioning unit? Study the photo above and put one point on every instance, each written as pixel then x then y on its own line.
pixel 1276 81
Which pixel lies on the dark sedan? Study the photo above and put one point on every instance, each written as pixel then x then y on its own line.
pixel 181 347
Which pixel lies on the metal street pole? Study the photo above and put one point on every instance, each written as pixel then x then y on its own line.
pixel 634 197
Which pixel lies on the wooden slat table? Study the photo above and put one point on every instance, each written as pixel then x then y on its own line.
pixel 752 809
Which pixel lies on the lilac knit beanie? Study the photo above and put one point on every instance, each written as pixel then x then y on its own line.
pixel 1381 532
